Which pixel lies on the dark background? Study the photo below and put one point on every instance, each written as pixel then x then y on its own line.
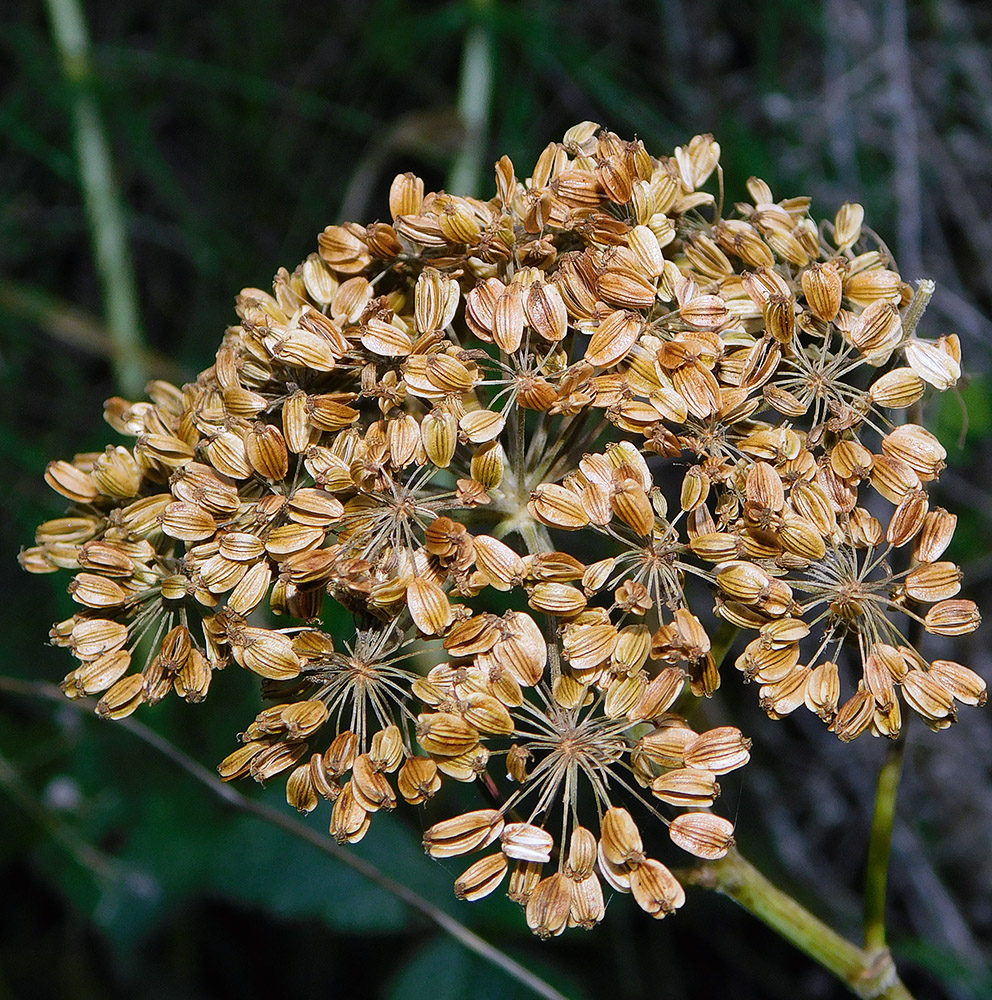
pixel 237 132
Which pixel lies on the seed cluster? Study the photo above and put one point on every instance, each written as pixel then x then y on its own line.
pixel 518 440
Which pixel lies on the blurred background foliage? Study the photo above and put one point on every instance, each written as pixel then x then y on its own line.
pixel 236 133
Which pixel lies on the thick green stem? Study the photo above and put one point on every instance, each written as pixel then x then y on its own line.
pixel 101 196
pixel 871 975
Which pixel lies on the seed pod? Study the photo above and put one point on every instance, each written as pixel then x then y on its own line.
pixel 718 750
pixel 801 538
pixel 559 567
pixel 614 337
pixel 480 426
pixel 686 787
pixel 526 842
pixel 266 450
pixel 268 654
pixel 918 448
pixel 429 606
pixel 301 792
pixel 93 637
pixel 743 581
pixel 95 591
pixel 123 698
pixel 934 363
pixel 631 505
pixel 898 388
pixel 810 501
pixel 97 675
pixel 581 861
pixel 702 834
pixel 953 617
pixel 482 877
pixel 435 300
pixel 488 463
pixel 823 690
pixel 502 566
pixel 695 488
pixel 487 714
pixel 418 780
pixel 823 289
pixel 620 840
pixel 894 478
pixel 445 734
pixel 558 507
pixel 935 535
pixel 907 518
pixel 963 684
pixel 548 906
pixel 847 224
pixel 557 598
pixel 463 834
pixel 372 790
pixel 934 582
pixel 349 821
pixel 523 881
pixel 927 696
pixel 659 696
pixel 439 431
pixel 854 716
pixel 545 311
pixel 656 890
pixel 587 904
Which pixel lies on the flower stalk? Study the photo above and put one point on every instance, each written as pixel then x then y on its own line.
pixel 866 973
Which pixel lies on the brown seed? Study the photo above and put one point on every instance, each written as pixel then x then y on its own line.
pixel 656 889
pixel 468 832
pixel 429 606
pixel 686 787
pixel 548 906
pixel 953 617
pixel 702 834
pixel 620 840
pixel 482 877
pixel 445 734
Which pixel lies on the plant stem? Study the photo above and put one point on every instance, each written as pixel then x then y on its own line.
pixel 475 87
pixel 232 797
pixel 880 843
pixel 101 196
pixel 871 975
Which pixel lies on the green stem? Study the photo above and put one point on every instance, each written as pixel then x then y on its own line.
pixel 474 97
pixel 880 844
pixel 870 975
pixel 101 197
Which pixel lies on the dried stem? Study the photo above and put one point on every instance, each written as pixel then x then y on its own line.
pixel 101 196
pixel 232 797
pixel 871 975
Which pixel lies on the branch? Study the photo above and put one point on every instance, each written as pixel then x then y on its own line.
pixel 232 797
pixel 871 976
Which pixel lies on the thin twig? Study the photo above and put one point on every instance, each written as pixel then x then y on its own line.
pixel 101 196
pixel 232 797
pixel 73 326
